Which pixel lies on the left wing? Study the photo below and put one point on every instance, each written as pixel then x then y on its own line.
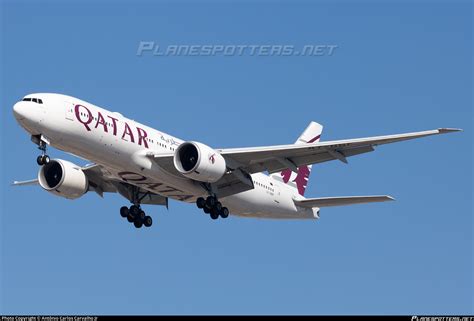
pixel 278 158
pixel 244 161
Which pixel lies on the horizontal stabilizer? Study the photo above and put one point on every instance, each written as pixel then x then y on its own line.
pixel 341 201
pixel 23 183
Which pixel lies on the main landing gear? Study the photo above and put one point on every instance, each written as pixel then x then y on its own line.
pixel 42 159
pixel 136 215
pixel 213 207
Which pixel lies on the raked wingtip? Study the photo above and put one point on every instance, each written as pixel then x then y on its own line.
pixel 449 130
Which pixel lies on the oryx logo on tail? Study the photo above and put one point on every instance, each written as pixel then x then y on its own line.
pixel 312 134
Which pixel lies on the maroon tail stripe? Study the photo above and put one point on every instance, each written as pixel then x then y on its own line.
pixel 314 139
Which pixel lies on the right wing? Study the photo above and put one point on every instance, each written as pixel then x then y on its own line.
pixel 341 201
pixel 101 181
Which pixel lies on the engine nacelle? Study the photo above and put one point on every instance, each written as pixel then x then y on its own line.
pixel 200 162
pixel 63 178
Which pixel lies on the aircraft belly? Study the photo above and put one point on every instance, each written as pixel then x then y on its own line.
pixel 257 203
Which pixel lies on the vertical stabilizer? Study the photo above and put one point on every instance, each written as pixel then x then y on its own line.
pixel 299 180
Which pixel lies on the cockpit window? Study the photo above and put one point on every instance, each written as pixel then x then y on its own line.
pixel 35 100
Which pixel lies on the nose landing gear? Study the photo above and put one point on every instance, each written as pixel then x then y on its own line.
pixel 213 207
pixel 42 159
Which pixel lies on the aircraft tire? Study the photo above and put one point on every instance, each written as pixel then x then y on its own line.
pixel 148 221
pixel 138 222
pixel 201 202
pixel 211 201
pixel 124 211
pixel 214 214
pixel 224 212
pixel 134 210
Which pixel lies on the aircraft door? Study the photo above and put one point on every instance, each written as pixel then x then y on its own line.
pixel 276 192
pixel 69 110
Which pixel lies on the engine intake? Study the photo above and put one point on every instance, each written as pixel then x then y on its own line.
pixel 63 178
pixel 200 162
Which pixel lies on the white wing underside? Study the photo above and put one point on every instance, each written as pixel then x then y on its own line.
pixel 277 158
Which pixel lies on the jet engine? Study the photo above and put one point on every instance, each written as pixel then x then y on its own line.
pixel 63 178
pixel 200 162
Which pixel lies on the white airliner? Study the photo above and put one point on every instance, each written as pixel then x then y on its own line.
pixel 147 166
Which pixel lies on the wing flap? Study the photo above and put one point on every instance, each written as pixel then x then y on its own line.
pixel 341 201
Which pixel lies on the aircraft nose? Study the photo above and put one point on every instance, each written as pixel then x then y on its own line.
pixel 20 110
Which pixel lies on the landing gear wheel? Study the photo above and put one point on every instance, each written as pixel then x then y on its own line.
pixel 200 202
pixel 130 218
pixel 124 211
pixel 211 201
pixel 42 160
pixel 135 210
pixel 141 215
pixel 214 214
pixel 224 212
pixel 147 221
pixel 206 209
pixel 138 222
pixel 218 206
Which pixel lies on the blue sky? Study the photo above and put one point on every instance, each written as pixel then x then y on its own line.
pixel 398 67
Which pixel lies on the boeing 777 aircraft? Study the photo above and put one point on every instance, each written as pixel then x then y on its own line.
pixel 147 166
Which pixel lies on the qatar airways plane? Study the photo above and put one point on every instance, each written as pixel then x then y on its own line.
pixel 147 166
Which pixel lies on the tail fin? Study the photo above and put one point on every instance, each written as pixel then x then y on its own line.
pixel 312 134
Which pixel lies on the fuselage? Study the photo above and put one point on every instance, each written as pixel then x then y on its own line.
pixel 120 146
